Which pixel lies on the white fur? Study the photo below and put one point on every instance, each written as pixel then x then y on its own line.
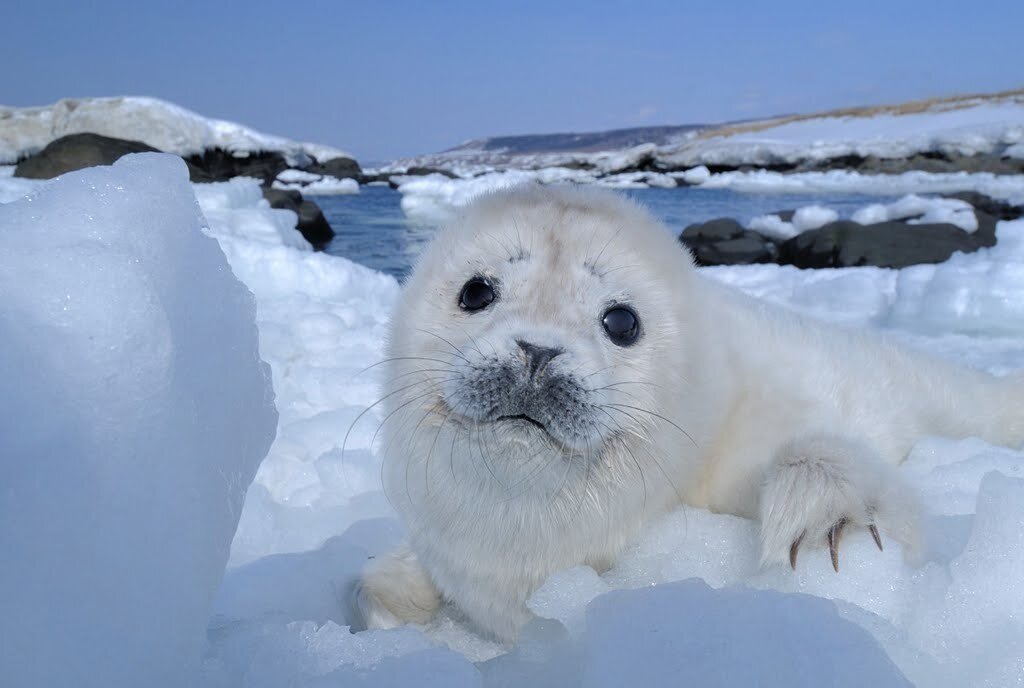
pixel 724 402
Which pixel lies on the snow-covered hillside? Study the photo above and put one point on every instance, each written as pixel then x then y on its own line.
pixel 158 123
pixel 960 127
pixel 956 127
pixel 150 431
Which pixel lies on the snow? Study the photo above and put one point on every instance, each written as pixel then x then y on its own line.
pixel 435 198
pixel 922 210
pixel 990 125
pixel 12 188
pixel 965 128
pixel 135 412
pixel 806 218
pixel 1007 187
pixel 696 175
pixel 163 125
pixel 237 208
pixel 297 177
pixel 812 217
pixel 687 600
pixel 315 184
pixel 773 226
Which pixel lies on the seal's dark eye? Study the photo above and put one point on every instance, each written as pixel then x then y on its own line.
pixel 476 295
pixel 621 324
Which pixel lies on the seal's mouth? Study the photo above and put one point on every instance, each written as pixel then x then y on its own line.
pixel 523 417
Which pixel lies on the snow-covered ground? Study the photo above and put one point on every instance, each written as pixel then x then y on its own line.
pixel 969 127
pixel 991 125
pixel 314 512
pixel 163 125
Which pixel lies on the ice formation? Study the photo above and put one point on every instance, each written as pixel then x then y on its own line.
pixel 135 412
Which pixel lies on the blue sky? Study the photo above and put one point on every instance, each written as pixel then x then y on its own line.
pixel 389 79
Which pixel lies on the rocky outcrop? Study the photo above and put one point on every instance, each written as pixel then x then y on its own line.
pixel 340 168
pixel 843 243
pixel 726 242
pixel 893 244
pixel 312 223
pixel 75 151
pixel 934 162
pixel 216 165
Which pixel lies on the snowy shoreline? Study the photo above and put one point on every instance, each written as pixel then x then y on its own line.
pixel 121 317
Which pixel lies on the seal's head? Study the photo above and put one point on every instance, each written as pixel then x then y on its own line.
pixel 536 334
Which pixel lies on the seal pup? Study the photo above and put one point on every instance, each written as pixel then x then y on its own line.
pixel 559 374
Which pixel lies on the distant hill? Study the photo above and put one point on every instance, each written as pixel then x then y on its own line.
pixel 577 142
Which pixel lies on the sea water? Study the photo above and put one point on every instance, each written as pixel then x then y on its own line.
pixel 372 229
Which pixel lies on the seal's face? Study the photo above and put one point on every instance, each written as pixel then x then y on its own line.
pixel 535 327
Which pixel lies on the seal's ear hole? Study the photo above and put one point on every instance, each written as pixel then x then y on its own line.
pixel 476 295
pixel 621 324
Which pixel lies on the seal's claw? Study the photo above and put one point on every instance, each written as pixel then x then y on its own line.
pixel 834 535
pixel 876 536
pixel 793 549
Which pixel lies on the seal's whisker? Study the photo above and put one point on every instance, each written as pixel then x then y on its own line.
pixel 344 443
pixel 401 358
pixel 660 417
pixel 487 465
pixel 462 354
pixel 452 371
pixel 432 390
pixel 639 469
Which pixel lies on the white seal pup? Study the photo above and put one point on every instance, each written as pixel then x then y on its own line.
pixel 559 374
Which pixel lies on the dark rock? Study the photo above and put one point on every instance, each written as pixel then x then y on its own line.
pixel 287 199
pixel 713 230
pixel 76 151
pixel 726 242
pixel 750 248
pixel 342 168
pixel 312 223
pixel 985 235
pixel 370 178
pixel 928 161
pixel 989 206
pixel 424 171
pixel 887 244
pixel 217 165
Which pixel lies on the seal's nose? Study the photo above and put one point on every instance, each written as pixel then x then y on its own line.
pixel 537 357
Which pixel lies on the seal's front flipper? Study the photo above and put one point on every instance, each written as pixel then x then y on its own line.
pixel 394 590
pixel 821 486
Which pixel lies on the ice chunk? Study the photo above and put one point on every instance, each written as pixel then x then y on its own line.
pixel 921 211
pixel 303 654
pixel 729 637
pixel 812 217
pixel 315 184
pixel 976 293
pixel 804 219
pixel 773 226
pixel 136 410
pixel 566 594
pixel 696 175
pixel 977 625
